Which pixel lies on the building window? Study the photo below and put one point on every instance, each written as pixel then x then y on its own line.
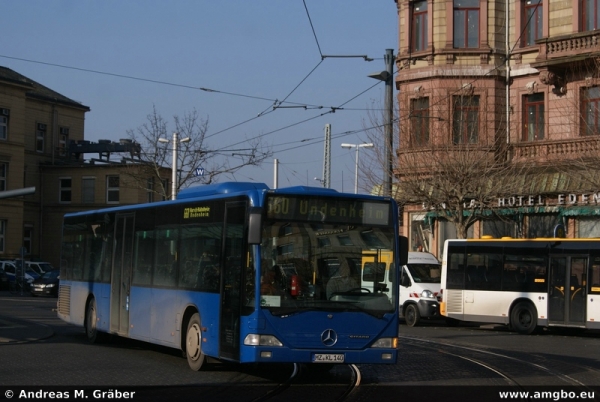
pixel 285 249
pixel 63 141
pixel 88 190
pixel 419 26
pixel 65 189
pixel 419 118
pixel 3 176
pixel 2 235
pixel 533 117
pixel 588 227
pixel 40 138
pixel 590 111
pixel 589 14
pixel 466 23
pixel 112 189
pixel 345 240
pixel 324 242
pixel 28 238
pixel 4 114
pixel 533 21
pixel 465 123
pixel 541 225
pixel 150 189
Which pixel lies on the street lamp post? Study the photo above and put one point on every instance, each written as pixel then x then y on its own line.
pixel 174 146
pixel 357 146
pixel 388 77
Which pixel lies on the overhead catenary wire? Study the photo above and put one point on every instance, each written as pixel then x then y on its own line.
pixel 280 104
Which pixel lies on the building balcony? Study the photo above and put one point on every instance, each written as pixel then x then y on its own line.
pixel 555 51
pixel 545 151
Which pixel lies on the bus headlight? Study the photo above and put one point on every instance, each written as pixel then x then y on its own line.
pixel 388 343
pixel 261 340
pixel 428 294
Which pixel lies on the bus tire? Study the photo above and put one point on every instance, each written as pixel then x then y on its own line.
pixel 412 315
pixel 91 319
pixel 523 318
pixel 193 343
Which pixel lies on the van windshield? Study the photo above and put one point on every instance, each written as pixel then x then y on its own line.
pixel 427 273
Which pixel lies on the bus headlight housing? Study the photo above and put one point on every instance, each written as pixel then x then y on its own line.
pixel 388 343
pixel 261 340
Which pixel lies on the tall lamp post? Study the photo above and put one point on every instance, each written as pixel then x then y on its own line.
pixel 174 146
pixel 357 146
pixel 388 77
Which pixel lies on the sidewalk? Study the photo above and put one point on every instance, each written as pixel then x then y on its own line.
pixel 17 330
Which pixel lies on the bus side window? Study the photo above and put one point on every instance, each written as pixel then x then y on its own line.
pixel 594 276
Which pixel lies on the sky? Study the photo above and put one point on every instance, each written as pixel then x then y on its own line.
pixel 124 58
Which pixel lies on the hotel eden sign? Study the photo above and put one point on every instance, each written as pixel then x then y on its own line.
pixel 537 200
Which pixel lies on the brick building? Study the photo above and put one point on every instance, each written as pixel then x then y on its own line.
pixel 516 79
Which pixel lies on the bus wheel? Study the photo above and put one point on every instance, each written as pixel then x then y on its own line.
pixel 523 318
pixel 91 318
pixel 411 315
pixel 193 343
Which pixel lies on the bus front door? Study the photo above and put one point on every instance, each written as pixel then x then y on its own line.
pixel 121 274
pixel 234 262
pixel 566 301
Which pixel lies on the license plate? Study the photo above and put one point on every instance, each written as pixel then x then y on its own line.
pixel 328 358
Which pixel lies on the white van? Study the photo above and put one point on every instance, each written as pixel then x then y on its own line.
pixel 420 287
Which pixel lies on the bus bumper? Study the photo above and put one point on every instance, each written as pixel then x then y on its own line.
pixel 285 355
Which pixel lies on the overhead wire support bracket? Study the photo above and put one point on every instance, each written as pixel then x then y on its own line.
pixel 367 58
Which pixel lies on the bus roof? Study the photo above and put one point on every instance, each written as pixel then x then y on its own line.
pixel 220 188
pixel 512 239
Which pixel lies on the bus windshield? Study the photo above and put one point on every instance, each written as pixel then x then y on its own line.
pixel 313 260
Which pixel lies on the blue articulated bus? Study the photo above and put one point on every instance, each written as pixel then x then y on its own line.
pixel 238 272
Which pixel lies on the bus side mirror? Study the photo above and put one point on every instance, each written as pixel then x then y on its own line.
pixel 403 250
pixel 255 225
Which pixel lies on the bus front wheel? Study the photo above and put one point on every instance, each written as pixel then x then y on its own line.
pixel 523 318
pixel 412 315
pixel 193 343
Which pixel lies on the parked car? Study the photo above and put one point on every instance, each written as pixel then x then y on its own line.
pixel 39 267
pixel 3 280
pixel 47 284
pixel 10 269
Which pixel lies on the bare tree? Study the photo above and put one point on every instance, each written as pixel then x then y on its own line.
pixel 193 154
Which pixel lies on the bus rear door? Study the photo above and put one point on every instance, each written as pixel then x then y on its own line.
pixel 566 293
pixel 121 274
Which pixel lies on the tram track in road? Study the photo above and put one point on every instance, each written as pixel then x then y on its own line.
pixel 510 370
pixel 310 382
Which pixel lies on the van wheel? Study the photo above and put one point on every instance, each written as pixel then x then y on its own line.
pixel 523 318
pixel 411 315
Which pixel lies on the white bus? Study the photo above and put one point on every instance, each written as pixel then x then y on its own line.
pixel 524 283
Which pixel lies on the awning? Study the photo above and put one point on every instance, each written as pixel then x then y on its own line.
pixel 585 210
pixel 516 213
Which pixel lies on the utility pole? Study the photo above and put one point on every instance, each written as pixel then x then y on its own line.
pixel 327 157
pixel 388 77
